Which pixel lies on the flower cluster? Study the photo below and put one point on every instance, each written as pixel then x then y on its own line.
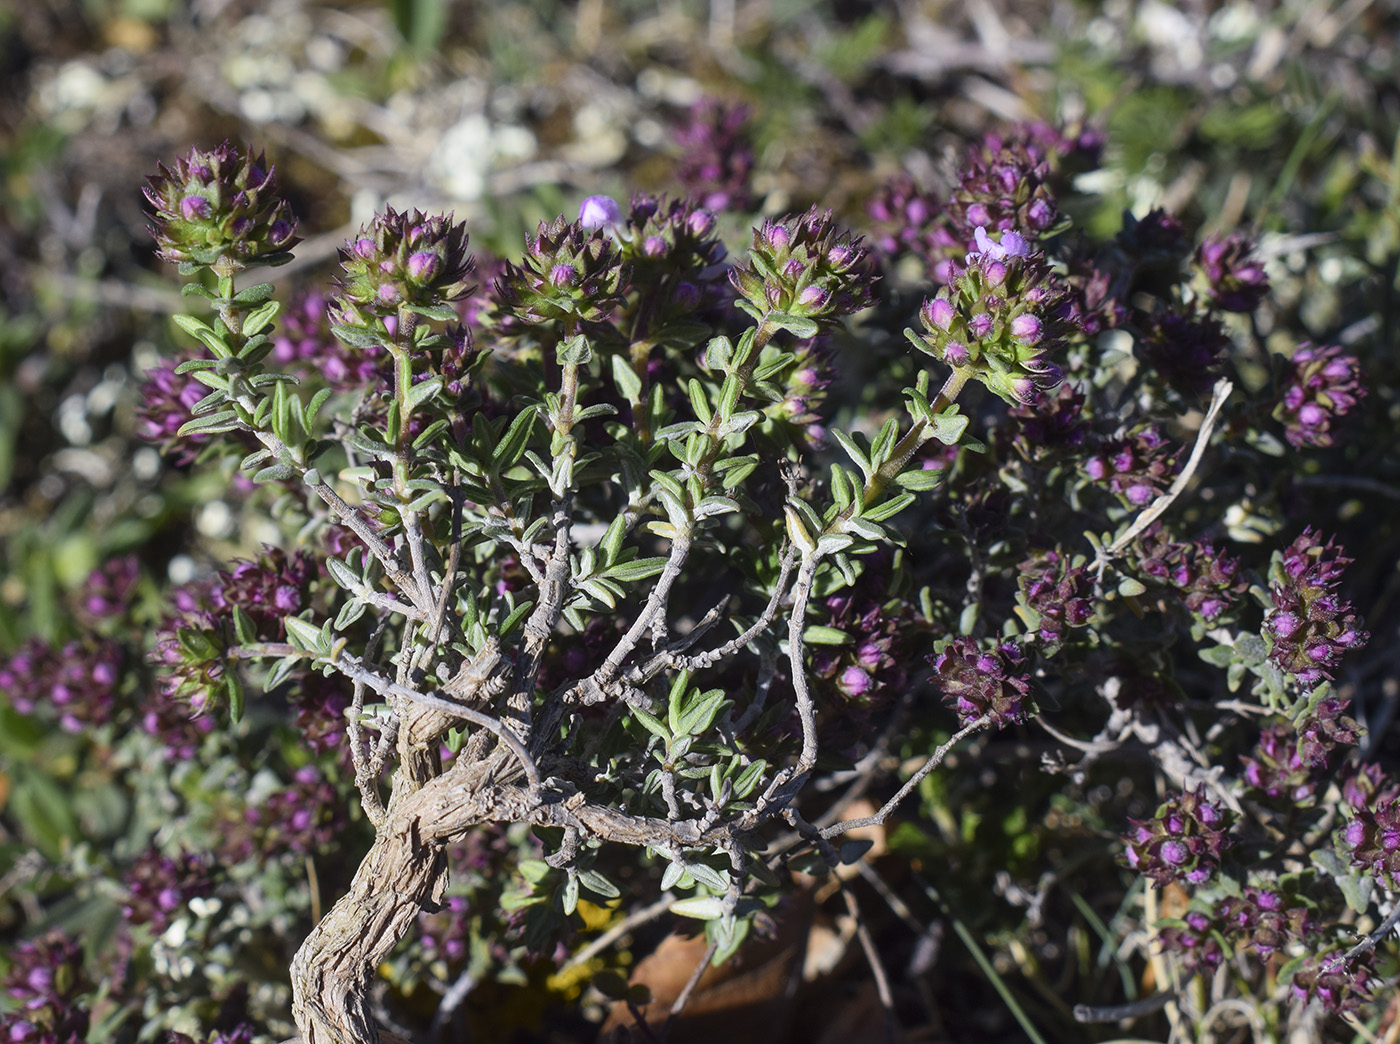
pixel 1369 787
pixel 77 683
pixel 978 682
pixel 165 403
pixel 1332 982
pixel 305 344
pixel 569 273
pixel 1195 940
pixel 159 886
pixel 1185 350
pixel 268 588
pixel 1000 320
pixel 302 817
pixel 1233 280
pixel 1324 727
pixel 1277 768
pixel 1373 836
pixel 1183 841
pixel 220 208
pixel 1272 919
pixel 717 155
pixel 1054 597
pixel 1323 384
pixel 804 267
pixel 909 221
pixel 401 259
pixel 1004 187
pixel 109 589
pixel 1138 467
pixel 1049 427
pixel 45 978
pixel 1207 579
pixel 1310 627
pixel 673 250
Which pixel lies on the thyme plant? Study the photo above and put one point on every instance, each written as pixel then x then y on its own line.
pixel 578 541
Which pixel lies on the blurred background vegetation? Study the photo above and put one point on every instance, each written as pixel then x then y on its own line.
pixel 1279 117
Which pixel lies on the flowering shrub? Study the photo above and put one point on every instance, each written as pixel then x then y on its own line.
pixel 599 568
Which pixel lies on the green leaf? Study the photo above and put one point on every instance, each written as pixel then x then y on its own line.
pixel 626 379
pixel 818 634
pixel 275 473
pixel 305 635
pixel 516 615
pixel 314 406
pixel 919 481
pixel 701 907
pixel 243 626
pixel 213 424
pixel 708 876
pixel 672 876
pixel 797 325
pixel 652 724
pixel 258 319
pixel 637 569
pixel 575 350
pixel 570 897
pixel 423 392
pixel 236 697
pixel 254 295
pixel 357 336
pixel 701 713
pixel 1130 587
pixel 599 885
pixel 747 780
pixel 508 451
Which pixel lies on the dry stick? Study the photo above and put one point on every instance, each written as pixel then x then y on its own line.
pixel 877 966
pixel 684 997
pixel 366 781
pixel 770 611
pixel 932 763
pixel 1154 510
pixel 636 919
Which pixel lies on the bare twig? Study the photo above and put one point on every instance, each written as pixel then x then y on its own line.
pixel 353 669
pixel 634 920
pixel 877 966
pixel 684 996
pixel 935 759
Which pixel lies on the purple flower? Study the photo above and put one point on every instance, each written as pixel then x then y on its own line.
pixel 1322 384
pixel 159 886
pixel 804 266
pixel 1310 627
pixel 1234 280
pixel 717 155
pixel 401 257
pixel 1184 349
pixel 981 682
pixel 219 208
pixel 1273 920
pixel 1183 841
pixel 599 212
pixel 1051 598
pixel 166 402
pixel 1194 941
pixel 1337 985
pixel 1137 467
pixel 568 272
